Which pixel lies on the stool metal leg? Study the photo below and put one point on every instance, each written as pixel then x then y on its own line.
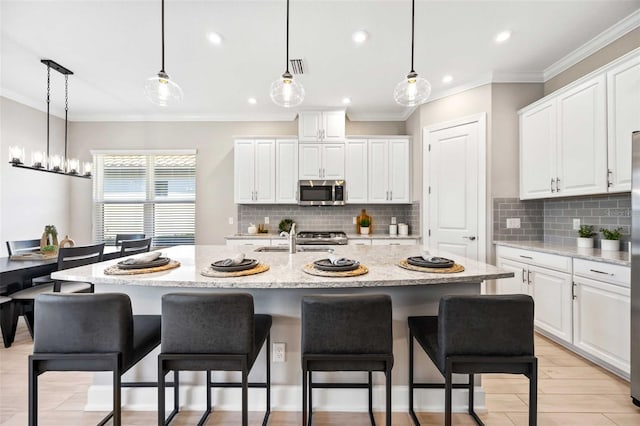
pixel 533 393
pixel 176 393
pixel 207 410
pixel 388 391
pixel 412 413
pixel 310 397
pixel 447 395
pixel 245 413
pixel 373 421
pixel 472 412
pixel 161 389
pixel 268 353
pixel 33 394
pixel 304 394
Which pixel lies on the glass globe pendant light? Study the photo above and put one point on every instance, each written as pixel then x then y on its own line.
pixel 285 91
pixel 160 89
pixel 412 90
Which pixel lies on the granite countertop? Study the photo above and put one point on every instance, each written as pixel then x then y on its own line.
pixel 615 257
pixel 286 270
pixel 266 236
pixel 349 236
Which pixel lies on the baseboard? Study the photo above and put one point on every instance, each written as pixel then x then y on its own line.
pixel 285 398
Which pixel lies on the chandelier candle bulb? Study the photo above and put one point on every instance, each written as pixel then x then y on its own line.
pixel 16 154
pixel 38 159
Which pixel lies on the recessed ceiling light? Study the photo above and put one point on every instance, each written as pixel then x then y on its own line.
pixel 346 100
pixel 447 79
pixel 360 36
pixel 214 38
pixel 503 36
pixel 252 101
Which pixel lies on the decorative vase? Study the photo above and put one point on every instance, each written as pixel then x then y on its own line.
pixel 67 242
pixel 610 245
pixel 48 240
pixel 364 230
pixel 364 215
pixel 585 242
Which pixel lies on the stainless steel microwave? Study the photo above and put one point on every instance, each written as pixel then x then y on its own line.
pixel 321 192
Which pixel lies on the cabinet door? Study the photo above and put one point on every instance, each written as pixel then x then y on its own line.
pixel 399 179
pixel 623 117
pixel 552 295
pixel 537 151
pixel 309 125
pixel 582 140
pixel 333 161
pixel 355 170
pixel 310 161
pixel 602 320
pixel 378 171
pixel 265 171
pixel 516 284
pixel 244 178
pixel 286 171
pixel 333 126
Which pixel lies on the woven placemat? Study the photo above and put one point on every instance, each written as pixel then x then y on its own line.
pixel 455 268
pixel 312 270
pixel 258 269
pixel 114 270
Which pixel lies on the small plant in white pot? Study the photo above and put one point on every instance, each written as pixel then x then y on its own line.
pixel 611 239
pixel 364 226
pixel 585 239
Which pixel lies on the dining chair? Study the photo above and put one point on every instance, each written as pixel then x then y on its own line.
pixel 122 237
pixel 129 247
pixel 6 309
pixel 28 247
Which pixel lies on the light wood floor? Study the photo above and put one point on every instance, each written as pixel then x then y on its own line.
pixel 572 391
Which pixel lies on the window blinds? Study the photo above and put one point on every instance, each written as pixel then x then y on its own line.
pixel 154 194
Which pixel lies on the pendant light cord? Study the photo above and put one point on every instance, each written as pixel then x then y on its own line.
pixel 66 112
pixel 287 65
pixel 413 21
pixel 162 70
pixel 48 102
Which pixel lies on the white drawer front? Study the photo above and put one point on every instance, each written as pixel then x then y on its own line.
pixel 249 242
pixel 607 272
pixel 393 242
pixel 359 242
pixel 546 260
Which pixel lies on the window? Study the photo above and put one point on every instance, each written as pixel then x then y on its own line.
pixel 150 193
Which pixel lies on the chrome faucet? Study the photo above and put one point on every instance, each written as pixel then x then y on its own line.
pixel 292 239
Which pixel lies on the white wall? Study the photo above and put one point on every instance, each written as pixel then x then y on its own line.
pixel 29 200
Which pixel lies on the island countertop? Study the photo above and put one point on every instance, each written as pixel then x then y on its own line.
pixel 286 270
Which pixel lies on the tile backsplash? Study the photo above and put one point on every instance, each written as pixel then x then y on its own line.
pixel 330 218
pixel 551 220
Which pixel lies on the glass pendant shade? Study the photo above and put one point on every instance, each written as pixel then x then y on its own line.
pixel 56 163
pixel 87 169
pixel 73 166
pixel 287 92
pixel 38 159
pixel 16 155
pixel 412 90
pixel 163 91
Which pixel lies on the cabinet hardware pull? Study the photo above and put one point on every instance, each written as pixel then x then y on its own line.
pixel 600 272
pixel 552 182
pixel 528 276
pixel 525 257
pixel 390 195
pixel 523 278
pixel 609 182
pixel 573 291
pixel 557 184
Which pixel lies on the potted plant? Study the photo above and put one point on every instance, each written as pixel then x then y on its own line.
pixel 364 226
pixel 611 239
pixel 49 240
pixel 585 239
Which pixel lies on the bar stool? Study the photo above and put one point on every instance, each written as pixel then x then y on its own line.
pixel 476 335
pixel 89 332
pixel 205 332
pixel 6 311
pixel 346 333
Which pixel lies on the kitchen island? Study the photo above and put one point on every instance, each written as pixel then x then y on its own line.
pixel 278 292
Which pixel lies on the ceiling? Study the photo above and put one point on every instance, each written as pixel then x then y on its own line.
pixel 114 46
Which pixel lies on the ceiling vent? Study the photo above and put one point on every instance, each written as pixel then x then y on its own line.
pixel 297 66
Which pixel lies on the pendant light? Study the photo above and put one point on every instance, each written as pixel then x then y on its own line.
pixel 160 89
pixel 285 91
pixel 412 90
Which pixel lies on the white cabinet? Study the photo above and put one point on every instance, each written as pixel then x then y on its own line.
pixel 254 171
pixel 516 284
pixel 321 161
pixel 359 241
pixel 321 126
pixel 355 170
pixel 394 242
pixel 538 151
pixel 623 117
pixel 262 242
pixel 389 168
pixel 286 171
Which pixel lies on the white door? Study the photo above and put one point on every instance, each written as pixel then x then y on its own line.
pixel 516 284
pixel 582 140
pixel 265 171
pixel 309 124
pixel 399 178
pixel 333 126
pixel 452 189
pixel 552 295
pixel 355 170
pixel 623 117
pixel 333 161
pixel 538 151
pixel 378 171
pixel 310 161
pixel 286 171
pixel 244 178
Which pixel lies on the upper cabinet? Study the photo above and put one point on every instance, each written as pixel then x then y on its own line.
pixel 623 117
pixel 321 161
pixel 286 171
pixel 577 141
pixel 255 171
pixel 321 126
pixel 356 171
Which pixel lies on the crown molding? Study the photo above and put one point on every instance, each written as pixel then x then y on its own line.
pixel 517 77
pixel 289 116
pixel 606 37
pixel 402 116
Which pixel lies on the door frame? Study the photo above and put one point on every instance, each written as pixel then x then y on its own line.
pixel 481 119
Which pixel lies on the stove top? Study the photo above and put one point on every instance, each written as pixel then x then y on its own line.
pixel 321 237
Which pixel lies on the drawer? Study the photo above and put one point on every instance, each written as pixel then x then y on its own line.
pixel 545 260
pixel 359 241
pixel 607 272
pixel 249 242
pixel 393 242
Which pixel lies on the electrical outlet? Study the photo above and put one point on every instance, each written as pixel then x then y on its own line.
pixel 576 224
pixel 279 352
pixel 393 220
pixel 354 220
pixel 266 220
pixel 513 223
pixel 230 220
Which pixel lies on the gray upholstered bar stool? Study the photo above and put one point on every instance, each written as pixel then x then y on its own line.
pixel 212 332
pixel 476 335
pixel 89 332
pixel 346 333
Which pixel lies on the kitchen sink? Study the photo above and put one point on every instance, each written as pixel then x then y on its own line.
pixel 299 249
